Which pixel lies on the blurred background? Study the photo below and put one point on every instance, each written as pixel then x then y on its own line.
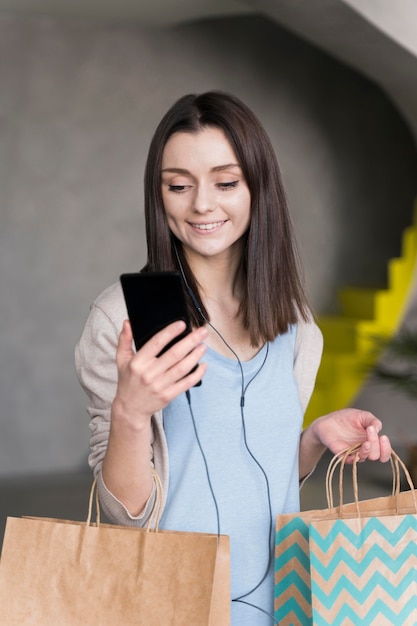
pixel 83 84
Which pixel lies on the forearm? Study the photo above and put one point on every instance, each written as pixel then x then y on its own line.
pixel 127 470
pixel 311 451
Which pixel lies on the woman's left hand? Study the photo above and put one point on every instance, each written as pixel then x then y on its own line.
pixel 345 428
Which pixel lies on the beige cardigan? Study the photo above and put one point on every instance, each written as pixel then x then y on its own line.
pixel 97 373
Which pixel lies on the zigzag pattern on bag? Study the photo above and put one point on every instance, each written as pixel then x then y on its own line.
pixel 380 615
pixel 364 571
pixel 292 574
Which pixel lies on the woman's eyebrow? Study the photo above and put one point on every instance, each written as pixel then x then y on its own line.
pixel 175 170
pixel 216 168
pixel 220 168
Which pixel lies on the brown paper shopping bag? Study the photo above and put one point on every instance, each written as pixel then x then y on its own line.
pixel 293 595
pixel 64 573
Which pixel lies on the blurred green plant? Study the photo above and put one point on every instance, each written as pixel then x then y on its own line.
pixel 398 365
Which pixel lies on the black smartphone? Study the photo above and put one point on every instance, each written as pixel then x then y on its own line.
pixel 154 300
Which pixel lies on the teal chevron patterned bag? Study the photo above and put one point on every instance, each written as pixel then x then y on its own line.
pixel 364 569
pixel 304 592
pixel 292 570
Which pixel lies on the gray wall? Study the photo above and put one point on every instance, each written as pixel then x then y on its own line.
pixel 79 102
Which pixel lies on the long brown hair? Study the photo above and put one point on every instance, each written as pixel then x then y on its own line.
pixel 273 296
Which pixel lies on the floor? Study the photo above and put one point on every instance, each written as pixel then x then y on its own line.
pixel 66 496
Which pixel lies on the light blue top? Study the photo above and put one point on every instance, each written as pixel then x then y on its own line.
pixel 272 419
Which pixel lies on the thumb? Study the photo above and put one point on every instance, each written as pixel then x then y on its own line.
pixel 124 348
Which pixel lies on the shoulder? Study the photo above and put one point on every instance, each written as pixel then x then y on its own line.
pixel 307 357
pixel 309 337
pixel 111 304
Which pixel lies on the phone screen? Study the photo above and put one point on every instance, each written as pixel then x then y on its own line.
pixel 154 300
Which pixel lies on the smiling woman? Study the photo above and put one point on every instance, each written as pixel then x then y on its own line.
pixel 231 452
pixel 206 197
pixel 268 301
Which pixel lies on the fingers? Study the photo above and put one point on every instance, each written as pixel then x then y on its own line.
pixel 147 383
pixel 186 382
pixel 386 449
pixel 161 339
pixel 184 373
pixel 181 357
pixel 161 372
pixel 376 447
pixel 124 349
pixel 158 342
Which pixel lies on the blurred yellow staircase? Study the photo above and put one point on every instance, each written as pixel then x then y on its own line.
pixel 349 338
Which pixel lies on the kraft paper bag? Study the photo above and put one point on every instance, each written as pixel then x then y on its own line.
pixel 62 573
pixel 295 593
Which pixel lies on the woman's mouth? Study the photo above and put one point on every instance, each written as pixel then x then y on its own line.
pixel 208 226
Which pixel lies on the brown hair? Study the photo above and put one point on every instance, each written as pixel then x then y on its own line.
pixel 274 296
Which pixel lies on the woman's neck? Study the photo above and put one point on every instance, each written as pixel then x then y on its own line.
pixel 219 279
pixel 220 284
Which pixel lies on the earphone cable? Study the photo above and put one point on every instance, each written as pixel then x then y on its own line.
pixel 188 395
pixel 242 404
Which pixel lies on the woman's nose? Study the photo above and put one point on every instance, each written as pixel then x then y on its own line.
pixel 203 200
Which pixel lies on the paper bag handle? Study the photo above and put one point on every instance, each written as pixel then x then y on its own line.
pixel 340 460
pixel 93 492
pixel 156 513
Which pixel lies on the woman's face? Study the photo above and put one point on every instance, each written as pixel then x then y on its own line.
pixel 205 195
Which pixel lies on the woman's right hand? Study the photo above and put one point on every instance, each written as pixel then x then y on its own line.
pixel 146 382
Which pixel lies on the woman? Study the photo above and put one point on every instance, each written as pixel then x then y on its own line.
pixel 215 211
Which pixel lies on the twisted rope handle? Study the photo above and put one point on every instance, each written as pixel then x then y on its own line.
pixel 156 513
pixel 339 460
pixel 93 492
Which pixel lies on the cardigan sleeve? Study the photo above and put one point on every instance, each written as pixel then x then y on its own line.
pixel 308 352
pixel 95 362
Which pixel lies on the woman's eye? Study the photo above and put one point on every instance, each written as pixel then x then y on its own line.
pixel 177 188
pixel 228 185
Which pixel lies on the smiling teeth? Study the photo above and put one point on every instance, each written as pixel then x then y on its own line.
pixel 207 226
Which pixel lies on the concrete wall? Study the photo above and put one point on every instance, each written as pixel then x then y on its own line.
pixel 78 104
pixel 398 20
